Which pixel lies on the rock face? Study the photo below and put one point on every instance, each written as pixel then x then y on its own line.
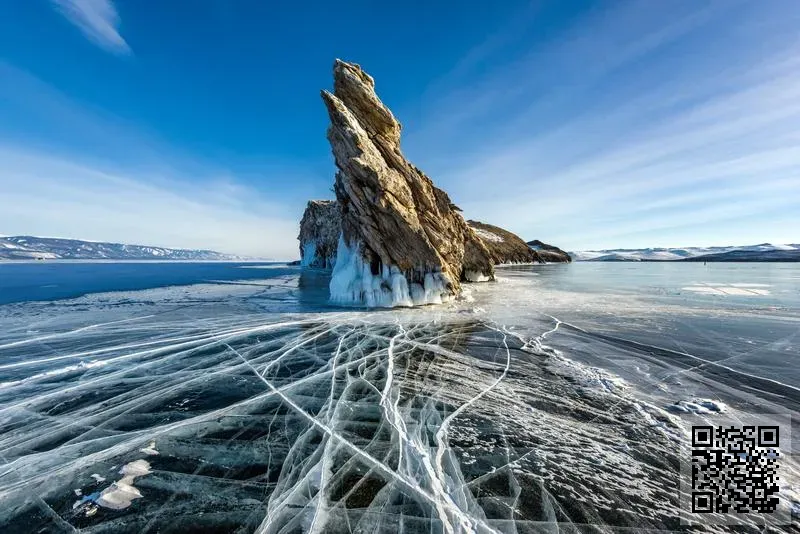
pixel 504 246
pixel 549 253
pixel 403 242
pixel 319 234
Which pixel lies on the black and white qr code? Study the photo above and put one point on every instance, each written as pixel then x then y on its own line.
pixel 735 469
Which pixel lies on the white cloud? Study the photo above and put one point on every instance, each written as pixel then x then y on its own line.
pixel 631 128
pixel 66 171
pixel 98 20
pixel 48 196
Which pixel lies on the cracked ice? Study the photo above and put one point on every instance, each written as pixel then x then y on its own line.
pixel 343 421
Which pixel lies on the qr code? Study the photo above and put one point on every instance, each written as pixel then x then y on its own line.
pixel 734 469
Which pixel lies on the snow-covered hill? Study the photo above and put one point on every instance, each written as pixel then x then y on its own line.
pixel 762 252
pixel 47 248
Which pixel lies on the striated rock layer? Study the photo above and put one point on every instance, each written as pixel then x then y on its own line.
pixel 319 234
pixel 403 242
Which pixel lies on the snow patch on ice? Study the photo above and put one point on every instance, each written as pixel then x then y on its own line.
pixel 744 290
pixel 121 493
pixel 150 450
pixel 591 379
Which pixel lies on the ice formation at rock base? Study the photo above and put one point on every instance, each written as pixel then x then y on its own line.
pixel 354 283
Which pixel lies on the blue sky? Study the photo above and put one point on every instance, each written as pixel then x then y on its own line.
pixel 198 123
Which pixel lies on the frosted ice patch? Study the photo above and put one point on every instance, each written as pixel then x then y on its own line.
pixel 136 469
pixel 475 276
pixel 591 379
pixel 118 496
pixel 743 290
pixel 698 406
pixel 54 372
pixel 466 295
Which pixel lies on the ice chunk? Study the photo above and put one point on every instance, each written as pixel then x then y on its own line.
pixel 475 276
pixel 118 496
pixel 150 449
pixel 121 493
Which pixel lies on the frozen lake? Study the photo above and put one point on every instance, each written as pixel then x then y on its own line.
pixel 237 400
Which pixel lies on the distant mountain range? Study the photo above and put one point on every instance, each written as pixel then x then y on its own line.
pixel 762 252
pixel 25 247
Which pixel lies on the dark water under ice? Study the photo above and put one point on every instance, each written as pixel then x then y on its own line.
pixel 243 403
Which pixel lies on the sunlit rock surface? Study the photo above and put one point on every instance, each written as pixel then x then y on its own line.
pixel 504 246
pixel 403 240
pixel 320 228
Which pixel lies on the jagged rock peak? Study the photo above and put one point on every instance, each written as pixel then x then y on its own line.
pixel 319 234
pixel 400 233
pixel 356 89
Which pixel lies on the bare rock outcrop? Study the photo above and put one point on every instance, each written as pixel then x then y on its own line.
pixel 403 241
pixel 504 246
pixel 319 234
pixel 549 253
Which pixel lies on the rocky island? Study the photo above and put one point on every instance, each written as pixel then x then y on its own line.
pixel 392 237
pixel 549 253
pixel 319 234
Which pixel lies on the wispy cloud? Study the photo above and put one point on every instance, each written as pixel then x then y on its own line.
pixel 98 20
pixel 634 127
pixel 77 173
pixel 48 196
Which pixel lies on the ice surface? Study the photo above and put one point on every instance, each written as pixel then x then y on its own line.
pixel 746 290
pixel 224 408
pixel 474 276
pixel 698 406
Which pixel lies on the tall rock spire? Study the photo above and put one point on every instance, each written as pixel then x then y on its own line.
pixel 403 241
